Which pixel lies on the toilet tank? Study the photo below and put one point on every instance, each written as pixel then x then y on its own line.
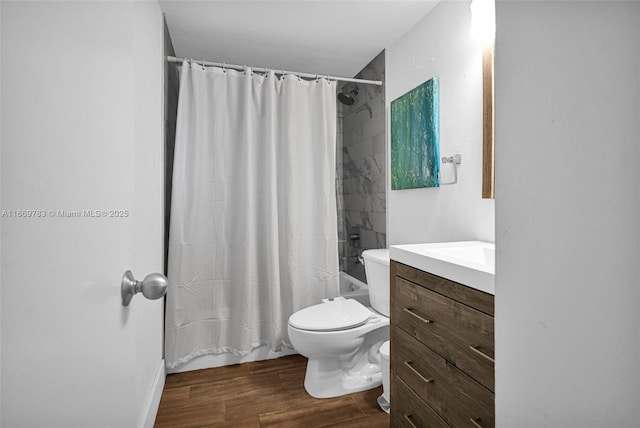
pixel 376 266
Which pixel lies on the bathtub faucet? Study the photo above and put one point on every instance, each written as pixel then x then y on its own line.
pixel 358 259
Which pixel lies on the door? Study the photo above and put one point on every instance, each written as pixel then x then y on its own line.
pixel 82 186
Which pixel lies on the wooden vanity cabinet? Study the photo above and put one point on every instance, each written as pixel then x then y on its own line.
pixel 442 352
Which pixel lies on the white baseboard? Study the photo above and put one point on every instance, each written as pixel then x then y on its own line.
pixel 152 403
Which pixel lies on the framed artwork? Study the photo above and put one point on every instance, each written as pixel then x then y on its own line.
pixel 415 138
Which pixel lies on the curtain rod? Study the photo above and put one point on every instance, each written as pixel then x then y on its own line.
pixel 263 70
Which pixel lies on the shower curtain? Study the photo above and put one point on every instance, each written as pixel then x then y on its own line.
pixel 253 229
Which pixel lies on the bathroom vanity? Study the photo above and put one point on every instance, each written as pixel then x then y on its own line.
pixel 442 338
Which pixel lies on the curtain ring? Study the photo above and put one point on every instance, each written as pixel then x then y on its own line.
pixel 224 70
pixel 299 77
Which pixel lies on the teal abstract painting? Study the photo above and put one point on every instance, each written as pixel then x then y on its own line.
pixel 415 138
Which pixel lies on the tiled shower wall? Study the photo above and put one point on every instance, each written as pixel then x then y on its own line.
pixel 361 170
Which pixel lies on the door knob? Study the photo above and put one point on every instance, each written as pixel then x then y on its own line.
pixel 153 286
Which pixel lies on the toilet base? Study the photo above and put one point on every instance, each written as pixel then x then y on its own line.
pixel 384 404
pixel 327 378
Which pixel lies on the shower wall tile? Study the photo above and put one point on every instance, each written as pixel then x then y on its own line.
pixel 363 164
pixel 348 186
pixel 361 149
pixel 373 127
pixel 378 143
pixel 354 169
pixel 342 234
pixel 352 136
pixel 378 167
pixel 378 106
pixel 378 220
pixel 368 239
pixel 378 202
pixel 358 117
pixel 359 203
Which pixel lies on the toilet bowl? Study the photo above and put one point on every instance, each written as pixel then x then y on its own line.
pixel 342 338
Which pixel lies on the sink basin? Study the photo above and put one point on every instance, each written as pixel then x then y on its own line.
pixel 471 263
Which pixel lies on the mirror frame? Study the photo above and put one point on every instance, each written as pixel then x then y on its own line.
pixel 488 118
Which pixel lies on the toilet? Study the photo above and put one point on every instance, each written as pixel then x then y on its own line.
pixel 342 338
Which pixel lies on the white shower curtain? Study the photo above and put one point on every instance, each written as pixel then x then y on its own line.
pixel 253 230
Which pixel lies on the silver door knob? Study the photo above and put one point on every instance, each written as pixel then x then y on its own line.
pixel 153 286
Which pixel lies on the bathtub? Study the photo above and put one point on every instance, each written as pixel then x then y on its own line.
pixel 353 288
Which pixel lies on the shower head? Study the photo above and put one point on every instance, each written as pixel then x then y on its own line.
pixel 345 99
pixel 348 98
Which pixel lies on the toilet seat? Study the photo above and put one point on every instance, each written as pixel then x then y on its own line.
pixel 338 314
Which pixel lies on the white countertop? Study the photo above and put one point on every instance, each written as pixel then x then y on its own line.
pixel 471 263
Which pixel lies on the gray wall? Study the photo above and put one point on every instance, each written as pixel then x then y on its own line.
pixel 171 92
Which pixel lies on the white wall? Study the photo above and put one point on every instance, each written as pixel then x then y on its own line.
pixel 81 129
pixel 568 214
pixel 440 46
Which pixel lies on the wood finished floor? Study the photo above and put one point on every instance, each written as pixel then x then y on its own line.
pixel 261 394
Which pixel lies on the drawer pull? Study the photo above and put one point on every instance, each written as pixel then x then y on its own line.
pixel 475 421
pixel 408 418
pixel 410 311
pixel 417 373
pixel 482 354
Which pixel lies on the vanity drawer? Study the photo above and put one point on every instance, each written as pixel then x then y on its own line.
pixel 457 332
pixel 409 411
pixel 456 397
pixel 479 300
